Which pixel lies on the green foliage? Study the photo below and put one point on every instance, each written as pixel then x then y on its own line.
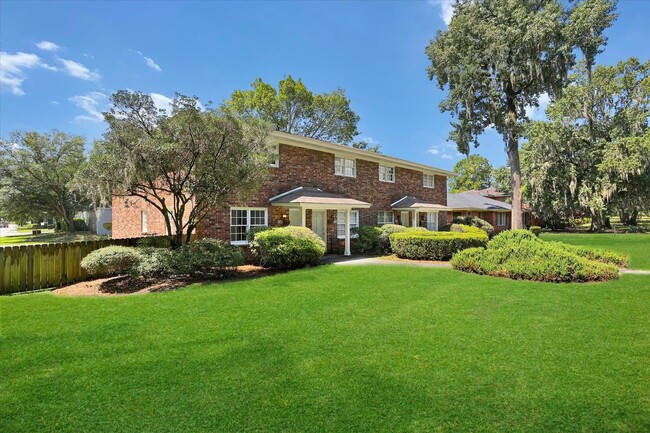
pixel 501 179
pixel 473 172
pixel 384 237
pixel 153 242
pixel 250 234
pixel 35 174
pixel 536 230
pixel 155 262
pixel 295 109
pixel 80 225
pixel 434 245
pixel 475 222
pixel 592 156
pixel 598 255
pixel 367 240
pixel 111 260
pixel 462 228
pixel 519 254
pixel 288 247
pixel 206 256
pixel 182 163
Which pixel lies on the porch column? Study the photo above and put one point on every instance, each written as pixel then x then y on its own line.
pixel 303 215
pixel 347 233
pixel 416 221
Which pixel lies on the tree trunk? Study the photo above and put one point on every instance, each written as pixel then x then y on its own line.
pixel 515 168
pixel 634 217
pixel 69 221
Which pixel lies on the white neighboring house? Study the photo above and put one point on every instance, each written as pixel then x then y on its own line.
pixel 95 219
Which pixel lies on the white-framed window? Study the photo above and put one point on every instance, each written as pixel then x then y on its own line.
pixel 386 174
pixel 274 156
pixel 242 220
pixel 345 167
pixel 144 221
pixel 428 180
pixel 340 222
pixel 502 218
pixel 385 217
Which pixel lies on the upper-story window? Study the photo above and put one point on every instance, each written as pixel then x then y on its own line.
pixel 386 174
pixel 345 167
pixel 274 156
pixel 428 180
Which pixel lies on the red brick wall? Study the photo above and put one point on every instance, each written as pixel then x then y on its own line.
pixel 311 168
pixel 307 168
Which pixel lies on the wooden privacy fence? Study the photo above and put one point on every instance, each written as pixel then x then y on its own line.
pixel 24 268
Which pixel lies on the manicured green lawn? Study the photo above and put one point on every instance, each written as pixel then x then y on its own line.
pixel 333 349
pixel 635 245
pixel 49 238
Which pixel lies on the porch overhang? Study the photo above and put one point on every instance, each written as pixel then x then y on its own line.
pixel 410 203
pixel 315 198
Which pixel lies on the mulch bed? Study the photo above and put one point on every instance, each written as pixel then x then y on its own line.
pixel 126 285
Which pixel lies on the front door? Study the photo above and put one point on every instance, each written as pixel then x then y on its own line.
pixel 404 218
pixel 432 224
pixel 319 223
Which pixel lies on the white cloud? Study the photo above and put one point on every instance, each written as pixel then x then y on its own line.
pixel 54 102
pixel 162 102
pixel 48 46
pixel 434 150
pixel 446 156
pixel 446 9
pixel 148 60
pixel 538 113
pixel 92 103
pixel 12 66
pixel 78 70
pixel 153 65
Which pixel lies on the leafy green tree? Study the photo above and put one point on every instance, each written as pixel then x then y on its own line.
pixel 501 179
pixel 473 172
pixel 297 110
pixel 596 160
pixel 184 164
pixel 495 59
pixel 36 170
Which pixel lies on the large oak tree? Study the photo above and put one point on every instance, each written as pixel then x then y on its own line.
pixel 495 59
pixel 184 163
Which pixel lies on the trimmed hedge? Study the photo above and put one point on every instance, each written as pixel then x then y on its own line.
pixel 384 237
pixel 462 228
pixel 112 260
pixel 205 256
pixel 428 245
pixel 287 247
pixel 520 255
pixel 603 256
pixel 475 222
pixel 536 230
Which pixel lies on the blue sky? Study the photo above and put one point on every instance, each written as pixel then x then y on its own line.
pixel 61 60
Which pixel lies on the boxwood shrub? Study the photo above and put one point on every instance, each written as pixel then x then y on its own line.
pixel 111 260
pixel 287 247
pixel 519 254
pixel 205 256
pixel 536 230
pixel 384 237
pixel 428 245
pixel 475 222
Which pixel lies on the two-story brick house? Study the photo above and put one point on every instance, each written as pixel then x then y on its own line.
pixel 327 187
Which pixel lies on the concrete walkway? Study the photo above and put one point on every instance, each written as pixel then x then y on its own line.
pixel 333 259
pixel 364 261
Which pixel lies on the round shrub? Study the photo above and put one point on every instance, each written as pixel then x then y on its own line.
pixel 288 247
pixel 250 234
pixel 536 230
pixel 155 262
pixel 205 256
pixel 529 260
pixel 80 225
pixel 475 222
pixel 384 237
pixel 512 237
pixel 112 260
pixel 434 245
pixel 366 240
pixel 462 228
